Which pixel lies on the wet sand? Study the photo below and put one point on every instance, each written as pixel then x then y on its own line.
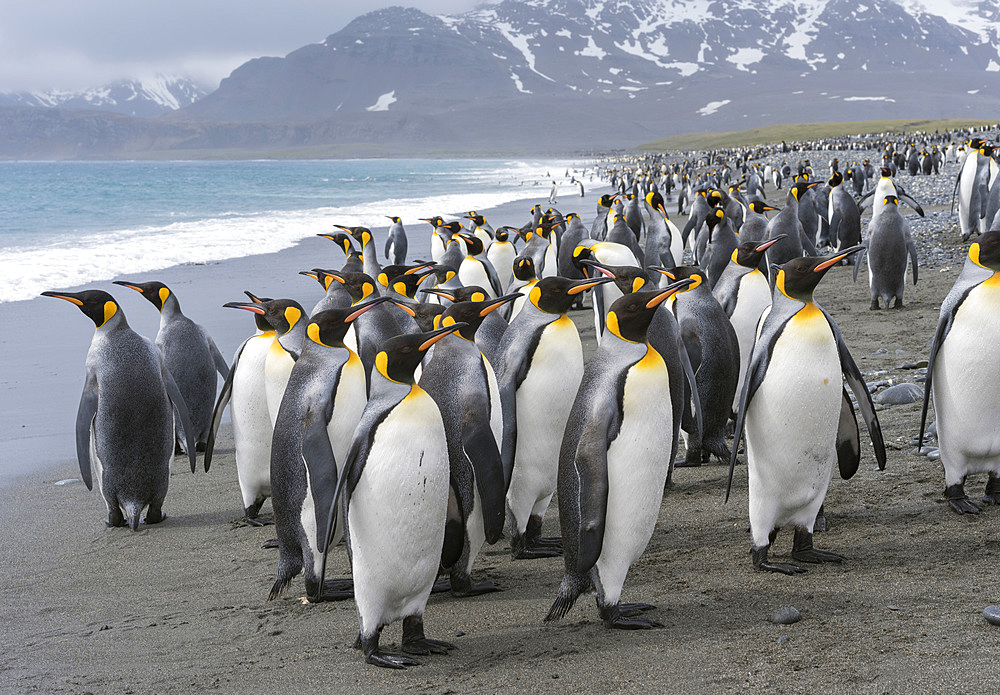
pixel 181 607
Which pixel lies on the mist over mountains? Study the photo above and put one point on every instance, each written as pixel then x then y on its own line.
pixel 551 76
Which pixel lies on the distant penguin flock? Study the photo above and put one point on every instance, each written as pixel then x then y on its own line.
pixel 426 408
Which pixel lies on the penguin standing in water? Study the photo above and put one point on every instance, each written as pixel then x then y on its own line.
pixel 888 244
pixel 798 417
pixel 125 422
pixel 613 462
pixel 189 353
pixel 395 242
pixel 962 376
pixel 245 392
pixel 395 489
pixel 542 364
pixel 322 406
pixel 463 384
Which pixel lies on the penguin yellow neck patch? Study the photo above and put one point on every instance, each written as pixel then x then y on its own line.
pixel 651 360
pixel 292 315
pixel 110 309
pixel 612 323
pixel 535 295
pixel 164 293
pixel 312 330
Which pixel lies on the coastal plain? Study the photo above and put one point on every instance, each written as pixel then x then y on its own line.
pixel 181 607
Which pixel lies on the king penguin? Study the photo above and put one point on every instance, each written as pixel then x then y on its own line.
pixel 395 242
pixel 888 244
pixel 395 494
pixel 322 406
pixel 798 417
pixel 125 421
pixel 189 353
pixel 613 462
pixel 963 379
pixel 542 364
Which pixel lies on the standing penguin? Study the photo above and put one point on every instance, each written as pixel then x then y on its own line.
pixel 722 242
pixel 395 489
pixel 541 368
pixel 798 417
pixel 844 215
pixel 613 462
pixel 973 186
pixel 125 422
pixel 599 228
pixel 189 353
pixel 888 244
pixel 395 243
pixel 463 384
pixel 476 269
pixel 501 255
pixel 322 406
pixel 962 376
pixel 663 239
pixel 245 392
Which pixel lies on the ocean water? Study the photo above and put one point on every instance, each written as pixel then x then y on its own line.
pixel 64 224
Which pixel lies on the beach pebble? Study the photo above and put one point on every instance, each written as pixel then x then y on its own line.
pixel 786 615
pixel 932 430
pixel 992 614
pixel 880 351
pixel 934 455
pixel 900 394
pixel 783 639
pixel 67 481
pixel 913 365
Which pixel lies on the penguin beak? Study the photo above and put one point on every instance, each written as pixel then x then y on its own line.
pixel 828 263
pixel 423 266
pixel 584 285
pixel 434 336
pixel 440 293
pixel 68 298
pixel 402 306
pixel 252 307
pixel 363 308
pixel 390 217
pixel 669 290
pixel 254 298
pixel 128 285
pixel 494 304
pixel 769 243
pixel 769 207
pixel 662 271
pixel 309 274
pixel 597 266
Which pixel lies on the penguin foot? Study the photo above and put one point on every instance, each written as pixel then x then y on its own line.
pixel 874 305
pixel 200 447
pixel 546 542
pixel 387 660
pixel 615 620
pixel 898 304
pixel 630 610
pixel 441 586
pixel 464 589
pixel 992 491
pixel 959 501
pixel 414 641
pixel 270 543
pixel 535 553
pixel 154 516
pixel 803 550
pixel 255 521
pixel 760 563
pixel 337 590
pixel 115 519
pixel 819 526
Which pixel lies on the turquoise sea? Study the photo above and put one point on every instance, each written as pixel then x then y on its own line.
pixel 69 223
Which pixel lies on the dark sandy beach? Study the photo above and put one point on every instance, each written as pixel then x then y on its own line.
pixel 181 607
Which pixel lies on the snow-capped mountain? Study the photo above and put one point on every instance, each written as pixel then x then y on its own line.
pixel 147 97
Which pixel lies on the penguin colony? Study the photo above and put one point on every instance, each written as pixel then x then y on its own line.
pixel 424 409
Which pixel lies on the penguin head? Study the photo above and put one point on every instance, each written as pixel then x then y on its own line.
pixel 556 294
pixel 750 253
pixel 836 179
pixel 469 293
pixel 759 206
pixel 890 200
pixel 362 235
pixel 390 272
pixel 628 278
pixel 713 220
pixel 477 219
pixel 606 200
pixel 282 315
pixel 986 251
pixel 683 272
pixel 394 219
pixel 449 229
pixel 407 283
pixel 655 201
pixel 886 172
pixel 435 221
pixel 360 285
pixel 797 278
pixel 342 240
pixel 473 244
pixel 155 292
pixel 261 322
pixel 323 277
pixel 501 235
pixel 524 268
pixel 400 355
pixel 328 328
pixel 714 197
pixel 472 313
pixel 424 313
pixel 444 273
pixel 629 317
pixel 99 306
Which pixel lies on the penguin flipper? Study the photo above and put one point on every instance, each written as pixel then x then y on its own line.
pixel 591 463
pixel 940 334
pixel 218 359
pixel 848 439
pixel 862 255
pixel 857 384
pixel 481 449
pixel 682 353
pixel 914 204
pixel 317 452
pixel 220 406
pixel 174 394
pixel 85 415
pixel 834 226
pixel 388 246
pixel 912 250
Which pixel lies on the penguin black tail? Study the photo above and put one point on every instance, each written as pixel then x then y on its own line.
pixel 133 514
pixel 569 592
pixel 287 570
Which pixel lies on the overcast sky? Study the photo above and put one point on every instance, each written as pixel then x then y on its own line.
pixel 73 44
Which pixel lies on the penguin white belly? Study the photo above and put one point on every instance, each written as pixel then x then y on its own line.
pixel 966 184
pixel 397 513
pixel 472 272
pixel 638 461
pixel 348 405
pixel 252 428
pixel 351 339
pixel 277 368
pixel 519 302
pixel 676 249
pixel 966 387
pixel 501 255
pixel 791 427
pixel 752 296
pixel 551 264
pixel 610 294
pixel 543 402
pixel 496 413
